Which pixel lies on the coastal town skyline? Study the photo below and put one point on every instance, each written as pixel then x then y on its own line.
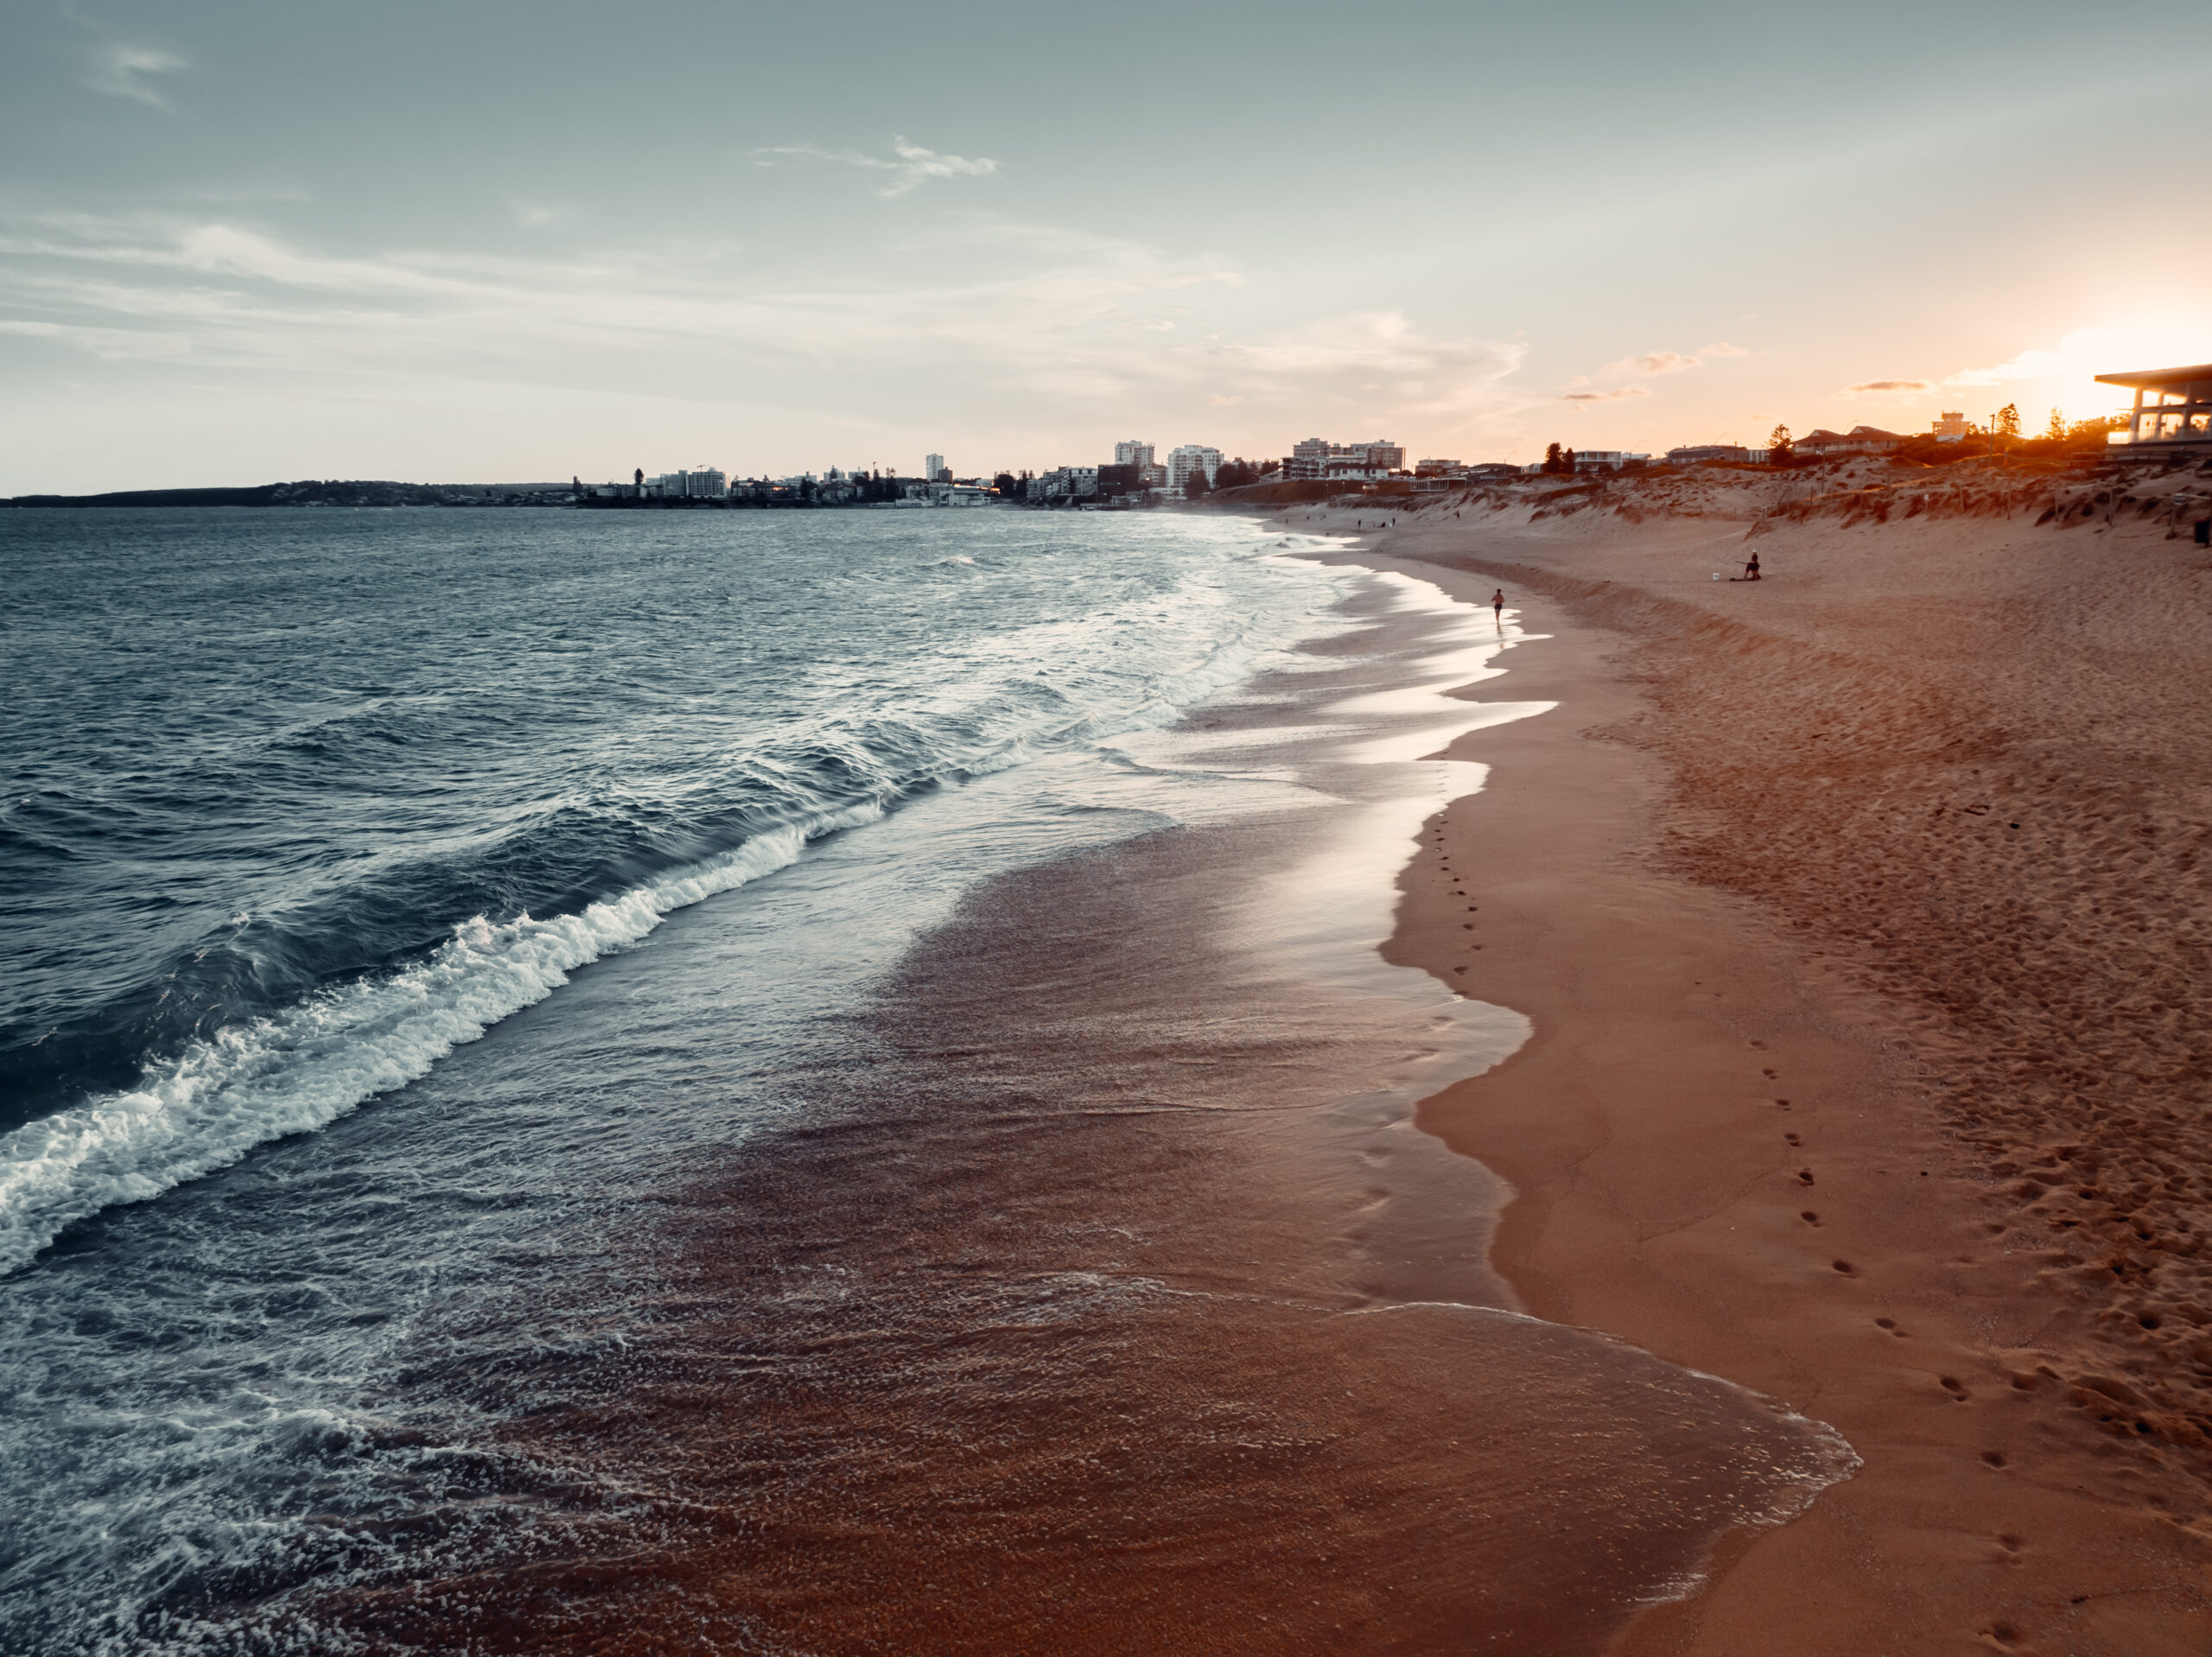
pixel 244 245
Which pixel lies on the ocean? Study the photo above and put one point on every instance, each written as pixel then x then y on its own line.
pixel 770 1081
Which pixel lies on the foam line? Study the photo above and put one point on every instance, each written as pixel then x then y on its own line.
pixel 304 1066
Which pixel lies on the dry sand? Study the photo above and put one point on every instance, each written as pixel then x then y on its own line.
pixel 1862 916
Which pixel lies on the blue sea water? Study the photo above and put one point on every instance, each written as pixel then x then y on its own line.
pixel 294 803
pixel 297 804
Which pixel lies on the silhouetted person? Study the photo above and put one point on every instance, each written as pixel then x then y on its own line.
pixel 1497 605
pixel 1751 569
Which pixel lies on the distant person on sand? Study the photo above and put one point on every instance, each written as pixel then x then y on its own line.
pixel 1751 569
pixel 1497 605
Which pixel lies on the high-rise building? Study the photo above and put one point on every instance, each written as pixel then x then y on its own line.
pixel 1132 454
pixel 1190 457
pixel 706 481
pixel 934 470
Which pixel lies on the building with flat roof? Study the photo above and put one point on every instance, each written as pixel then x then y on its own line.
pixel 934 469
pixel 1317 458
pixel 1188 458
pixel 1951 426
pixel 2172 417
pixel 706 482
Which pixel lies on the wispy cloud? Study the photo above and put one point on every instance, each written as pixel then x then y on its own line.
pixel 1613 395
pixel 2069 368
pixel 1723 349
pixel 117 70
pixel 1371 363
pixel 1029 328
pixel 1889 389
pixel 1041 322
pixel 111 345
pixel 910 165
pixel 2028 365
pixel 1651 362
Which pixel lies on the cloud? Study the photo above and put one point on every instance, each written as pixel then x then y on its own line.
pixel 1041 322
pixel 1651 362
pixel 1368 363
pixel 1613 395
pixel 1889 389
pixel 1030 329
pixel 2068 369
pixel 535 215
pixel 912 167
pixel 2028 365
pixel 118 67
pixel 111 345
pixel 1723 349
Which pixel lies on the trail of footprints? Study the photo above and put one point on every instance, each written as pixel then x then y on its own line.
pixel 2011 1548
pixel 1457 891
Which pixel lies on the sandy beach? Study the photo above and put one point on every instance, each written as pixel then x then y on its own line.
pixel 1859 912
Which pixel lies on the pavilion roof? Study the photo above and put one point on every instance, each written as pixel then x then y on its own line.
pixel 2149 379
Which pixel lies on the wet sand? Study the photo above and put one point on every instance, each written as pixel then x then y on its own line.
pixel 1813 1102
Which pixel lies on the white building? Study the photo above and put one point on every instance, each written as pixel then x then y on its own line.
pixel 1132 454
pixel 1317 458
pixel 1192 457
pixel 703 482
pixel 934 469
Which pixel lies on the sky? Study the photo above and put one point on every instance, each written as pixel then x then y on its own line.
pixel 246 240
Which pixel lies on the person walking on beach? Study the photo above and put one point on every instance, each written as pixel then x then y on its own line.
pixel 1497 606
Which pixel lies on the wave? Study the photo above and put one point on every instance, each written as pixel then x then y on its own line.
pixel 304 1067
pixel 305 1063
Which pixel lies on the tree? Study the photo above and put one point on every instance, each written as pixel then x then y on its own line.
pixel 2056 430
pixel 1004 483
pixel 1567 460
pixel 1551 457
pixel 1779 451
pixel 1196 484
pixel 2008 422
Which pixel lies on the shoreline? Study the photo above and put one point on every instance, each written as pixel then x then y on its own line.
pixel 1097 1292
pixel 1660 1194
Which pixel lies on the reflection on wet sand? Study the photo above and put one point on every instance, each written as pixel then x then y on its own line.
pixel 1099 1298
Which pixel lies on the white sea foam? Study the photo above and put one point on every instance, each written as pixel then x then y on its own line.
pixel 310 1064
pixel 304 1067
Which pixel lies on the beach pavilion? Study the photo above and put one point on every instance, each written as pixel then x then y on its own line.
pixel 2173 412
